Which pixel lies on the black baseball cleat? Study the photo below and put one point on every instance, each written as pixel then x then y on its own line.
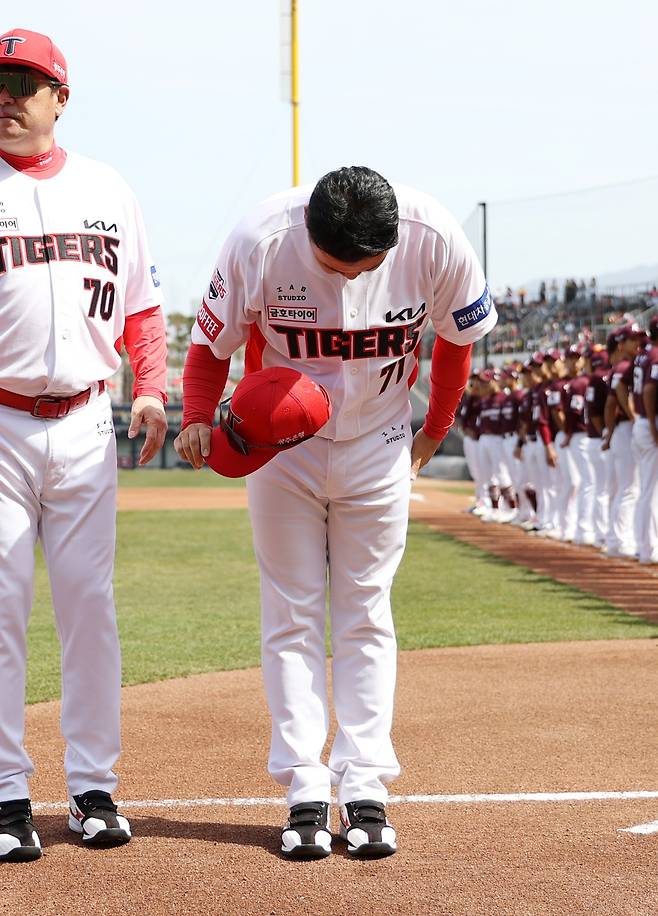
pixel 94 815
pixel 369 835
pixel 306 835
pixel 19 841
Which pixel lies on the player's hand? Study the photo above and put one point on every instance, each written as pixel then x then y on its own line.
pixel 551 455
pixel 148 411
pixel 422 450
pixel 518 453
pixel 605 444
pixel 193 443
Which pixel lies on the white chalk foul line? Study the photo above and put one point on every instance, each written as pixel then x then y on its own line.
pixel 481 798
pixel 651 827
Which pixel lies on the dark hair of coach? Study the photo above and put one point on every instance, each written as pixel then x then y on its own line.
pixel 353 214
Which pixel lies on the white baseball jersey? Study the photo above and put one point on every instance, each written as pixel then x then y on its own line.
pixel 74 262
pixel 355 337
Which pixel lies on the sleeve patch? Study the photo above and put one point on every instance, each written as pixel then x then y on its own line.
pixel 654 372
pixel 209 323
pixel 475 313
pixel 154 276
pixel 217 288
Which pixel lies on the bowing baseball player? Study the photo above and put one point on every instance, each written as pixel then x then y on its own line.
pixel 337 282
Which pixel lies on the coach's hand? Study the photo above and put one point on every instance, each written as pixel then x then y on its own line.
pixel 422 450
pixel 148 411
pixel 193 443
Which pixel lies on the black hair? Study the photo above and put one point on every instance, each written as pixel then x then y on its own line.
pixel 353 214
pixel 653 330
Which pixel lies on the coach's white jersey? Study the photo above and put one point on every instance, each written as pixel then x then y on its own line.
pixel 74 261
pixel 355 337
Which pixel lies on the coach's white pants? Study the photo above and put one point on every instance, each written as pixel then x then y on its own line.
pixel 58 483
pixel 331 513
pixel 646 453
pixel 621 529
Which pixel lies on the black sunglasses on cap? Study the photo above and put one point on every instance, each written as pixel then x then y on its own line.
pixel 20 83
pixel 226 420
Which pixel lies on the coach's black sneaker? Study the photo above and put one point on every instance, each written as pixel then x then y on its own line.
pixel 306 835
pixel 363 824
pixel 94 815
pixel 19 841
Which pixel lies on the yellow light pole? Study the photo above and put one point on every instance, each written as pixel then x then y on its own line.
pixel 294 96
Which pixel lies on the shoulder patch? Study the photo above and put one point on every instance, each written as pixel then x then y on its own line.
pixel 475 313
pixel 209 323
pixel 217 288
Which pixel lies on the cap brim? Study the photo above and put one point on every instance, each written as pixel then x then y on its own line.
pixel 227 461
pixel 17 61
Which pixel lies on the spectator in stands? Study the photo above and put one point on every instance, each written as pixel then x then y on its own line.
pixel 570 291
pixel 554 294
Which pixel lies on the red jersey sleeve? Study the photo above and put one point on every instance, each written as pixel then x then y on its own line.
pixel 448 377
pixel 204 380
pixel 145 339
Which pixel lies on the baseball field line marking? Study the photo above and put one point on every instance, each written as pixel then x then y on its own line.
pixel 481 798
pixel 651 827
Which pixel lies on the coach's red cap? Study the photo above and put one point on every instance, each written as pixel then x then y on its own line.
pixel 21 48
pixel 270 410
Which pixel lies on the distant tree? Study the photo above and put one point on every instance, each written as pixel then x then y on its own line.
pixel 178 336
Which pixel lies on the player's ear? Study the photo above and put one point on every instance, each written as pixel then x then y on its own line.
pixel 62 99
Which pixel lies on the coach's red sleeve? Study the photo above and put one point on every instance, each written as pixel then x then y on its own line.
pixel 448 377
pixel 145 339
pixel 204 379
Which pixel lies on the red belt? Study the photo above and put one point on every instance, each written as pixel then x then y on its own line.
pixel 47 407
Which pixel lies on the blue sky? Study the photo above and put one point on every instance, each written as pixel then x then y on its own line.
pixel 469 101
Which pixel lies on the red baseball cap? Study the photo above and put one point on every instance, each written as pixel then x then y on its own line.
pixel 22 48
pixel 598 357
pixel 270 410
pixel 626 332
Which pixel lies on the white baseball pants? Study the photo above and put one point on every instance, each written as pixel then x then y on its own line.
pixel 567 490
pixel 646 453
pixel 581 456
pixel 598 461
pixel 492 461
pixel 472 456
pixel 621 529
pixel 545 479
pixel 331 515
pixel 58 483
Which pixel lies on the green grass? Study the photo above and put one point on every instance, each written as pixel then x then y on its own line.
pixel 186 588
pixel 176 477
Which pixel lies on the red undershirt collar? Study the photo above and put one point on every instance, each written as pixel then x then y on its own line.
pixel 44 165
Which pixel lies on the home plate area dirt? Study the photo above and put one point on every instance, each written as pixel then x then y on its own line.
pixel 523 769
